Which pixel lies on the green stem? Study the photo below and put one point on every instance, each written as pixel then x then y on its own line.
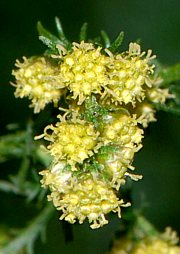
pixel 28 150
pixel 24 168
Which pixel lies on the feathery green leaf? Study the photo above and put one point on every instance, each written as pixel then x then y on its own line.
pixel 105 39
pixel 83 32
pixel 117 43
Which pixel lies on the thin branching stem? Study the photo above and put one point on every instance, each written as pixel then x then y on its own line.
pixel 26 238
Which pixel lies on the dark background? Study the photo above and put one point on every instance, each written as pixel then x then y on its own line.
pixel 157 24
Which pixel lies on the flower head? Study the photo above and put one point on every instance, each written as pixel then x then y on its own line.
pixel 122 129
pixel 72 140
pixel 155 246
pixel 116 161
pixel 145 113
pixel 87 197
pixel 58 178
pixel 35 80
pixel 129 74
pixel 160 244
pixel 147 246
pixel 83 70
pixel 158 95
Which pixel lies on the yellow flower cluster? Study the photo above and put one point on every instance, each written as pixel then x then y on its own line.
pixel 76 190
pixel 82 197
pixel 84 70
pixel 129 75
pixel 35 80
pixel 121 78
pixel 92 145
pixel 153 246
pixel 116 163
pixel 145 113
pixel 154 94
pixel 71 140
pixel 156 247
pixel 123 130
pixel 147 245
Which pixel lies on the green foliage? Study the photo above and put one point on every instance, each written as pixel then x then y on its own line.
pixel 170 74
pixel 117 43
pixel 12 146
pixel 83 32
pixel 106 39
pixel 171 80
pixel 51 40
pixel 106 151
pixel 94 112
pixel 26 237
pixel 20 146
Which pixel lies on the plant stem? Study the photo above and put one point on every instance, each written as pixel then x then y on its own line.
pixel 28 235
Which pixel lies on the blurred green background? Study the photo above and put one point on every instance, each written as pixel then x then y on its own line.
pixel 157 24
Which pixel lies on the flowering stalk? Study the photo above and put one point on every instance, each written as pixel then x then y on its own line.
pixel 107 99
